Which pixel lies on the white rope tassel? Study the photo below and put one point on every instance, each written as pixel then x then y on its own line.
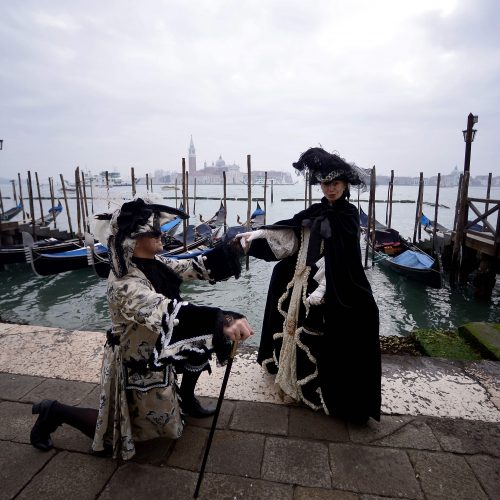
pixel 286 377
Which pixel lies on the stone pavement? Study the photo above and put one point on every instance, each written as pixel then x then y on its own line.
pixel 439 436
pixel 260 451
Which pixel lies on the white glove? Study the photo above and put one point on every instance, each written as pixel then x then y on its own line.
pixel 316 298
pixel 247 238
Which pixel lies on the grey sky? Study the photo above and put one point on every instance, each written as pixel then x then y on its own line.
pixel 110 85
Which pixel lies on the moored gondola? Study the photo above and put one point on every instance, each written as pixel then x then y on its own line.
pixel 257 218
pixel 398 255
pixel 51 216
pixel 15 254
pixel 11 213
pixel 45 264
pixel 393 252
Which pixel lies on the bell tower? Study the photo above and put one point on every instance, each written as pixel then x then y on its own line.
pixel 192 158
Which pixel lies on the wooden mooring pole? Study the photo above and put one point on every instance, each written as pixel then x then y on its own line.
pixel 249 202
pixel 52 197
pixel 85 224
pixel 85 200
pixel 32 204
pixel 224 193
pixel 371 216
pixel 66 205
pixel 186 206
pixel 388 209
pixel 184 221
pixel 21 195
pixel 436 210
pixel 457 202
pixel 77 194
pixel 194 196
pixel 418 209
pixel 132 176
pixel 13 182
pixel 487 205
pixel 39 198
pixel 265 196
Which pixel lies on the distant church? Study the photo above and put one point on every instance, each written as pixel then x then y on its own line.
pixel 213 174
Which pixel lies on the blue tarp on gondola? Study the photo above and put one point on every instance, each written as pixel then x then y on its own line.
pixel 415 260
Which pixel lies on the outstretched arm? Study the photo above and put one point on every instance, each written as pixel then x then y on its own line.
pixel 269 244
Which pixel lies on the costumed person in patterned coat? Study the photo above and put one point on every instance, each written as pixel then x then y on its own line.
pixel 155 336
pixel 320 333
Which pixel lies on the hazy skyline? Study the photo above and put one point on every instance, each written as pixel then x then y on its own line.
pixel 110 85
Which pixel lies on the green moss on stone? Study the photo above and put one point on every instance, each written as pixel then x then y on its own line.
pixel 444 344
pixel 485 337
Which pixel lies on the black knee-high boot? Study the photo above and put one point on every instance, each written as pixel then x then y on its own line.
pixel 52 414
pixel 189 403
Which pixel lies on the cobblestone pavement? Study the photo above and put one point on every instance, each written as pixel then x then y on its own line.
pixel 260 451
pixel 439 436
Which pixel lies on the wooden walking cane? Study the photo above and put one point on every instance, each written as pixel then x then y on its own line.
pixel 216 416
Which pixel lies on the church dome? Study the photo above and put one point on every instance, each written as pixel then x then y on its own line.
pixel 220 162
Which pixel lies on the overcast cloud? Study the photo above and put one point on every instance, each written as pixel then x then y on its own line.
pixel 110 85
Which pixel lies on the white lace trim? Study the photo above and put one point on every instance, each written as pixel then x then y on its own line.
pixel 166 336
pixel 311 376
pixel 282 242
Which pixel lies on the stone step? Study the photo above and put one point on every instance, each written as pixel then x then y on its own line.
pixel 484 336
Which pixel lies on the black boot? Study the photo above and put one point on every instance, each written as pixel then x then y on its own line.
pixel 46 423
pixel 189 403
pixel 193 408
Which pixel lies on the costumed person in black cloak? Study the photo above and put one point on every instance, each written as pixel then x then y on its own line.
pixel 155 336
pixel 320 333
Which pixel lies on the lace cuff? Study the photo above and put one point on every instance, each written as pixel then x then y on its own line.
pixel 283 242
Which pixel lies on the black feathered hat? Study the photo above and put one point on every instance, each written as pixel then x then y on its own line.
pixel 119 230
pixel 327 167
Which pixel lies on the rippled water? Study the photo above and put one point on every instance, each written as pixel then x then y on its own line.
pixel 76 300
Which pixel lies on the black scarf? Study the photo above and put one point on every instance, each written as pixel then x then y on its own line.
pixel 163 279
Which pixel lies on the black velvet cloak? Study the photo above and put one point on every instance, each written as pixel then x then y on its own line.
pixel 340 337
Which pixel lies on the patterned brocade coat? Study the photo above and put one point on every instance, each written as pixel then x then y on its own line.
pixel 152 337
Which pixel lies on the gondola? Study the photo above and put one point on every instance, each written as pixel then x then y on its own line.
pixel 45 264
pixel 257 218
pixel 15 254
pixel 218 218
pixel 11 213
pixel 363 221
pixel 395 253
pixel 53 212
pixel 442 235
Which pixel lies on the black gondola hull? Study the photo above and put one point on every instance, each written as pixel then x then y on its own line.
pixel 15 254
pixel 430 277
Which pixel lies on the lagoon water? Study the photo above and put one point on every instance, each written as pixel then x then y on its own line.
pixel 76 300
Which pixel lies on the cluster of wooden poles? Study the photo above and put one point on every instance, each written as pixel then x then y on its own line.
pixel 84 199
